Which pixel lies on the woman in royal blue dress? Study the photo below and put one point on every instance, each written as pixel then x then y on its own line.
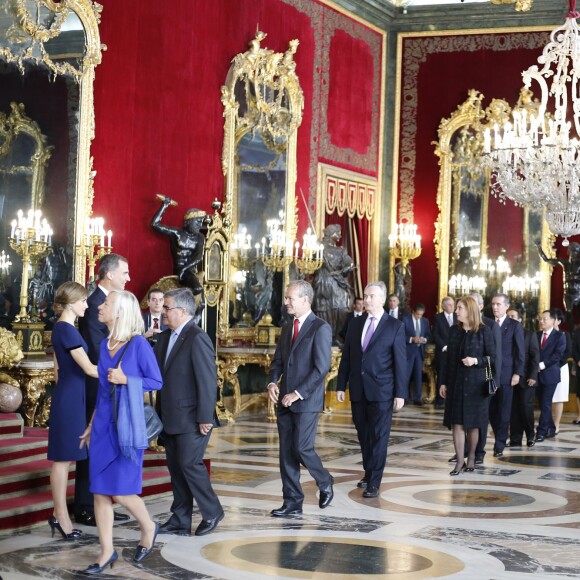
pixel 116 434
pixel 67 406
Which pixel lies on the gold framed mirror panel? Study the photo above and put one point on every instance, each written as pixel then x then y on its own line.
pixel 463 198
pixel 38 37
pixel 263 105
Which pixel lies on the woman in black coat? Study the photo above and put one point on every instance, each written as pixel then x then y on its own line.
pixel 463 384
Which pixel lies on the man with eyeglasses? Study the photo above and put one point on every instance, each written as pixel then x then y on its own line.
pixel 186 403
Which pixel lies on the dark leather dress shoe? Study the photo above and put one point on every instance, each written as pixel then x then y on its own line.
pixel 287 510
pixel 453 459
pixel 479 461
pixel 120 517
pixel 362 483
pixel 539 438
pixel 371 491
pixel 551 435
pixel 498 453
pixel 141 552
pixel 531 443
pixel 207 526
pixel 326 495
pixel 170 528
pixel 86 519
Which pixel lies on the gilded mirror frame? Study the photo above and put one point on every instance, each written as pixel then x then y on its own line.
pixel 88 13
pixel 470 114
pixel 275 72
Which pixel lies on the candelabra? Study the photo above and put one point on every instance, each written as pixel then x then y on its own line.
pixel 463 285
pixel 312 256
pixel 30 238
pixel 241 256
pixel 94 244
pixel 277 251
pixel 5 264
pixel 405 244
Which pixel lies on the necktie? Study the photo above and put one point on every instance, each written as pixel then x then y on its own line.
pixel 392 313
pixel 296 330
pixel 156 323
pixel 450 319
pixel 417 327
pixel 172 340
pixel 369 334
pixel 544 339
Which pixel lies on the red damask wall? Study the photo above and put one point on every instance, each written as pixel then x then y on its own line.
pixel 159 124
pixel 437 72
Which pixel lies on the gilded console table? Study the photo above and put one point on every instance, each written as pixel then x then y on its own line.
pixel 229 359
pixel 33 375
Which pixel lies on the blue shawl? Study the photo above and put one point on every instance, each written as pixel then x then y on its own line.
pixel 131 419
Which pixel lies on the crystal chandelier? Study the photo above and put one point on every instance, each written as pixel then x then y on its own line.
pixel 534 157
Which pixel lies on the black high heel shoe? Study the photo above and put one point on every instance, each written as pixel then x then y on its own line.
pixel 96 569
pixel 470 469
pixel 458 471
pixel 55 525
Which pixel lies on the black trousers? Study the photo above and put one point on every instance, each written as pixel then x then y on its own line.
pixel 500 410
pixel 84 501
pixel 372 420
pixel 296 433
pixel 522 418
pixel 189 478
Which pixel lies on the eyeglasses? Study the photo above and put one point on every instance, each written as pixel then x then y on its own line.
pixel 167 308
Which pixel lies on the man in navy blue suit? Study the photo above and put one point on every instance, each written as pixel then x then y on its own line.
pixel 552 349
pixel 296 386
pixel 374 366
pixel 113 275
pixel 512 369
pixel 153 319
pixel 417 333
pixel 442 322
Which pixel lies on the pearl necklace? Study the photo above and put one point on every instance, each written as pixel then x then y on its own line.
pixel 114 346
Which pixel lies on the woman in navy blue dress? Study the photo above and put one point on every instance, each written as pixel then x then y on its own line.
pixel 117 446
pixel 67 416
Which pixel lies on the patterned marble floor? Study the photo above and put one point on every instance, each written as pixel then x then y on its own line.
pixel 516 516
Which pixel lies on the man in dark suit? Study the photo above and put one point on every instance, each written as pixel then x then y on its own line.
pixel 186 403
pixel 552 349
pixel 417 333
pixel 301 361
pixel 395 310
pixel 442 322
pixel 113 275
pixel 153 319
pixel 358 309
pixel 374 365
pixel 512 369
pixel 522 417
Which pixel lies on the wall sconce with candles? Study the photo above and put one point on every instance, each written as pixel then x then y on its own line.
pixel 404 245
pixel 30 238
pixel 5 264
pixel 94 244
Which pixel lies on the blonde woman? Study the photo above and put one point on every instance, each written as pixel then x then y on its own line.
pixel 67 406
pixel 116 434
pixel 463 382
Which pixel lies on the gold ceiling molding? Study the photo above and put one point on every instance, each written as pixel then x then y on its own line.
pixel 347 192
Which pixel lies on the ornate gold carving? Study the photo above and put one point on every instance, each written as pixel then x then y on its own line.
pixel 460 140
pixel 273 101
pixel 14 124
pixel 10 355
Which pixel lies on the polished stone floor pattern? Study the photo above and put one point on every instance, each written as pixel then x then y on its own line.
pixel 514 517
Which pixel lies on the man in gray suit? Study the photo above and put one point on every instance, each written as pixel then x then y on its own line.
pixel 302 360
pixel 186 404
pixel 374 364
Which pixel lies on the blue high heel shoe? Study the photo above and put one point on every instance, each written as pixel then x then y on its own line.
pixel 141 552
pixel 96 569
pixel 55 526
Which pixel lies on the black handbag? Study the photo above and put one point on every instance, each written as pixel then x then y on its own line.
pixel 490 386
pixel 153 424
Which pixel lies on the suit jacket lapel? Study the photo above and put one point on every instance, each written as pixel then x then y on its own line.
pixel 378 330
pixel 305 326
pixel 178 343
